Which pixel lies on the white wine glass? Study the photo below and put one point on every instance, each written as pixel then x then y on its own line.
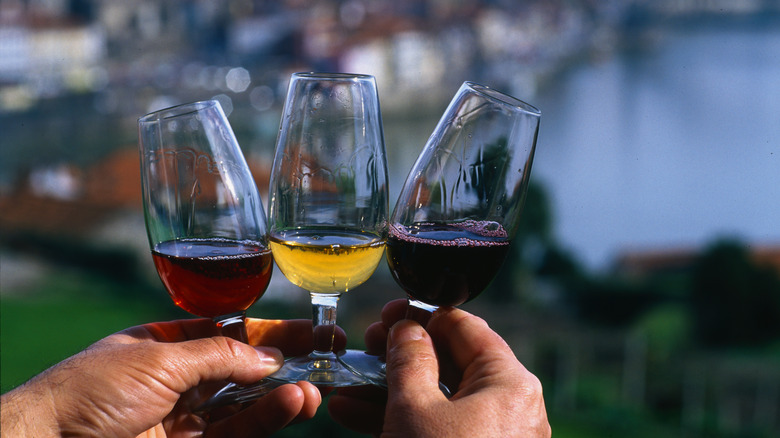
pixel 328 205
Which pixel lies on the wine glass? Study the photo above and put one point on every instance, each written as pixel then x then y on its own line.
pixel 328 205
pixel 459 208
pixel 204 217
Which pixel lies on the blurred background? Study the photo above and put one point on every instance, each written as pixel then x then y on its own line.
pixel 644 287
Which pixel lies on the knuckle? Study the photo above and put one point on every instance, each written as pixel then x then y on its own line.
pixel 226 349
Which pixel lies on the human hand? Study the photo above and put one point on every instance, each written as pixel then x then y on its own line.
pixel 132 383
pixel 494 394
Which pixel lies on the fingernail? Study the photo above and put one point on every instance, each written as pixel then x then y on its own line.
pixel 269 356
pixel 405 331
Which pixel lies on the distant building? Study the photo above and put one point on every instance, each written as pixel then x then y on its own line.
pixel 67 201
pixel 43 56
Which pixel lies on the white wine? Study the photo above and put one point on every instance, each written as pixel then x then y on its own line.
pixel 327 261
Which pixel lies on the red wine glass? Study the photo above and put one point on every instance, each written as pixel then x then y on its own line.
pixel 459 208
pixel 204 216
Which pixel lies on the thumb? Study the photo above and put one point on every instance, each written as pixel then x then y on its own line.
pixel 412 367
pixel 217 358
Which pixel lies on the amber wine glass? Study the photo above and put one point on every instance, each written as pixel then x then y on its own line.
pixel 328 205
pixel 204 216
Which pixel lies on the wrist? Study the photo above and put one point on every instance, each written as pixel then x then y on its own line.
pixel 28 411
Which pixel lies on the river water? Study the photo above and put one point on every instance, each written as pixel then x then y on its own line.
pixel 668 148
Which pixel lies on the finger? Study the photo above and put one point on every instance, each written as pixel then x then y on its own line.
pixel 361 409
pixel 412 367
pixel 376 338
pixel 168 331
pixel 311 401
pixel 466 338
pixel 268 415
pixel 183 365
pixel 393 312
pixel 293 337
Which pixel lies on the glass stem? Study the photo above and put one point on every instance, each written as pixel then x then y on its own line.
pixel 323 308
pixel 233 326
pixel 419 311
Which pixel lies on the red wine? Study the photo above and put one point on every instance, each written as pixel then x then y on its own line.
pixel 446 264
pixel 213 277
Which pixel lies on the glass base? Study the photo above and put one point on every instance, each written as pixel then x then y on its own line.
pixel 329 371
pixel 320 370
pixel 351 368
pixel 371 368
pixel 233 394
pixel 374 369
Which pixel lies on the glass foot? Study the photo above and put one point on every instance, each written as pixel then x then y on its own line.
pixel 325 371
pixel 233 394
pixel 373 368
pixel 370 367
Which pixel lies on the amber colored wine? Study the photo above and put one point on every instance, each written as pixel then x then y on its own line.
pixel 213 277
pixel 327 261
pixel 446 264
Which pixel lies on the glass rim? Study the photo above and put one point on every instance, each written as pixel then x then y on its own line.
pixel 503 98
pixel 178 111
pixel 332 75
